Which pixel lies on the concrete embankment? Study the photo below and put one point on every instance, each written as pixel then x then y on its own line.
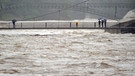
pixel 123 27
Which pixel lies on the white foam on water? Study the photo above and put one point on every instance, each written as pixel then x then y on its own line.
pixel 66 52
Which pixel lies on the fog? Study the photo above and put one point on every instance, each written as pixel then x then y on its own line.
pixel 48 9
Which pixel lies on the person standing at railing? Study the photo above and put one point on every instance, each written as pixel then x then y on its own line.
pixel 102 22
pixel 99 22
pixel 76 24
pixel 13 22
pixel 105 22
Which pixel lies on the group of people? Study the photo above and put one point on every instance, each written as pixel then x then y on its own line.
pixel 102 22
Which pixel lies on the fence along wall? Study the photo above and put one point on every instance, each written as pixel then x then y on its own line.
pixel 55 24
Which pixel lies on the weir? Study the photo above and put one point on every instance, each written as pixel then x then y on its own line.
pixel 123 27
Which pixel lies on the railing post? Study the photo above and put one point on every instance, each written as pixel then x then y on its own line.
pixel 94 24
pixel 70 24
pixel 83 25
pixel 21 25
pixel 9 25
pixel 105 27
pixel 119 25
pixel 33 26
pixel 45 25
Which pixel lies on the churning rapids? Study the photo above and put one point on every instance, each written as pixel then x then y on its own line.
pixel 75 52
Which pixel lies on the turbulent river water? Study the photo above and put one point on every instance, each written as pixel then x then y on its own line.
pixel 66 53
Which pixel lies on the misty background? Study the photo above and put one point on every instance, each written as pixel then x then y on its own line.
pixel 64 9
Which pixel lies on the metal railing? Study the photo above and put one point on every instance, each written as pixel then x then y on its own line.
pixel 67 25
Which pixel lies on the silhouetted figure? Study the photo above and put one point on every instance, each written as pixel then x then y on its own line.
pixel 14 21
pixel 105 22
pixel 99 22
pixel 102 22
pixel 77 24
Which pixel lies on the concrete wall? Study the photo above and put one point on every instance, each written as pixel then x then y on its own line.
pixel 24 9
